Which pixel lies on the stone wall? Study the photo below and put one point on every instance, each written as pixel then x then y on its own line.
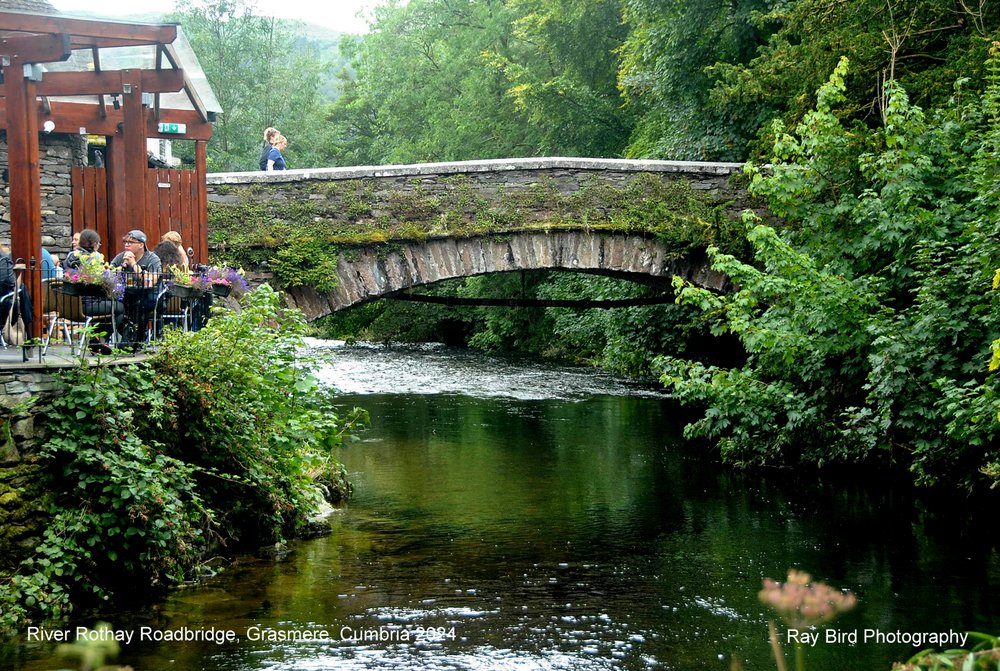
pixel 57 155
pixel 386 195
pixel 23 503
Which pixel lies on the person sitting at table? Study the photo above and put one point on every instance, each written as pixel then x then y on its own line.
pixel 8 280
pixel 169 255
pixel 175 237
pixel 48 265
pixel 136 258
pixel 142 270
pixel 96 306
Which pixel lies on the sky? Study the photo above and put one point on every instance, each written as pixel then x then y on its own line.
pixel 338 15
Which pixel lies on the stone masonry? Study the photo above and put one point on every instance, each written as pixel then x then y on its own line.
pixel 366 273
pixel 57 155
pixel 527 191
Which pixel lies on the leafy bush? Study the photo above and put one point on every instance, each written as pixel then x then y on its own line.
pixel 218 440
pixel 983 656
pixel 869 317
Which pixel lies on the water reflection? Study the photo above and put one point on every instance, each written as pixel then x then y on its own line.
pixel 516 531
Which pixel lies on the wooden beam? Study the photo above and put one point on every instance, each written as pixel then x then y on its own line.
pixel 200 238
pixel 106 42
pixel 134 135
pixel 36 48
pixel 109 81
pixel 134 33
pixel 95 55
pixel 115 171
pixel 70 117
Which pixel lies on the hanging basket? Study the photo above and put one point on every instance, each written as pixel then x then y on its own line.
pixel 185 291
pixel 83 289
pixel 221 290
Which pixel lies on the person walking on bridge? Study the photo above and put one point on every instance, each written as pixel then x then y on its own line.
pixel 269 135
pixel 275 160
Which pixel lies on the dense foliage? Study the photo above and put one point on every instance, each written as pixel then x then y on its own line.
pixel 699 80
pixel 457 80
pixel 223 438
pixel 869 319
pixel 866 310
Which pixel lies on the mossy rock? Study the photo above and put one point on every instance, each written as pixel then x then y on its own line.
pixel 23 510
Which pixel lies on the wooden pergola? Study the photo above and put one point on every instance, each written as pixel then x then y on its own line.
pixel 53 81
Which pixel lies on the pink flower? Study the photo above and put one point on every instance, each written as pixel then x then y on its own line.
pixel 802 603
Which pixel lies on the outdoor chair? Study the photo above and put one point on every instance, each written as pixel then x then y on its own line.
pixel 50 313
pixel 69 316
pixel 173 309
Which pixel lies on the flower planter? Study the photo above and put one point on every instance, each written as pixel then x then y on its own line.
pixel 221 290
pixel 83 289
pixel 185 291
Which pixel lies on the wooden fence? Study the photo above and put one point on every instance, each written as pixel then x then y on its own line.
pixel 175 201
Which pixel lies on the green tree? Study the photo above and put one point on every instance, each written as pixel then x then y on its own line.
pixel 561 68
pixel 460 80
pixel 924 45
pixel 869 321
pixel 264 74
pixel 665 76
pixel 421 90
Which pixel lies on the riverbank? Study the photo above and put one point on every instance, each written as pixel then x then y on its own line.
pixel 554 519
pixel 220 439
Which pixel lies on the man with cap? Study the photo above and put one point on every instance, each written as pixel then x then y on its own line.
pixel 142 270
pixel 136 258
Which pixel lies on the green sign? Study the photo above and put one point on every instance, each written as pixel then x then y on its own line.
pixel 172 128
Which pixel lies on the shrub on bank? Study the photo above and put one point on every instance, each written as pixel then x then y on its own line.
pixel 869 314
pixel 219 440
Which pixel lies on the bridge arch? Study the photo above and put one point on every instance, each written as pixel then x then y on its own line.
pixel 374 271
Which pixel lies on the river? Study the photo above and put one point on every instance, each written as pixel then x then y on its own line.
pixel 516 515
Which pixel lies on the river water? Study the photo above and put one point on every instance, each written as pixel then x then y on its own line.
pixel 516 515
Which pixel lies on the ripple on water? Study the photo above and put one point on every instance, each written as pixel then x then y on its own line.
pixel 482 658
pixel 414 614
pixel 364 368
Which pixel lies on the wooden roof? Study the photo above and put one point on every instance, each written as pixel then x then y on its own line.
pixel 77 90
pixel 80 76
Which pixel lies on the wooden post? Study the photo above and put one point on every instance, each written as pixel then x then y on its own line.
pixel 200 243
pixel 24 180
pixel 127 159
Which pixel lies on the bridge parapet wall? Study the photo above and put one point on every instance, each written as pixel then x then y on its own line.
pixel 440 197
pixel 393 228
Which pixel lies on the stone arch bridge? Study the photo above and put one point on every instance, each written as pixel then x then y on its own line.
pixel 375 271
pixel 397 228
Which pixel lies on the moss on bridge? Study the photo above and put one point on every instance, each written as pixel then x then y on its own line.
pixel 300 227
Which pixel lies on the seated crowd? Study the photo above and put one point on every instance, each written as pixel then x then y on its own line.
pixel 127 316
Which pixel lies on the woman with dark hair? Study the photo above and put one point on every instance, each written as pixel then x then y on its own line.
pixel 175 237
pixel 96 306
pixel 170 255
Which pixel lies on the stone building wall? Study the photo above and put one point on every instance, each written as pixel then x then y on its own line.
pixel 57 155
